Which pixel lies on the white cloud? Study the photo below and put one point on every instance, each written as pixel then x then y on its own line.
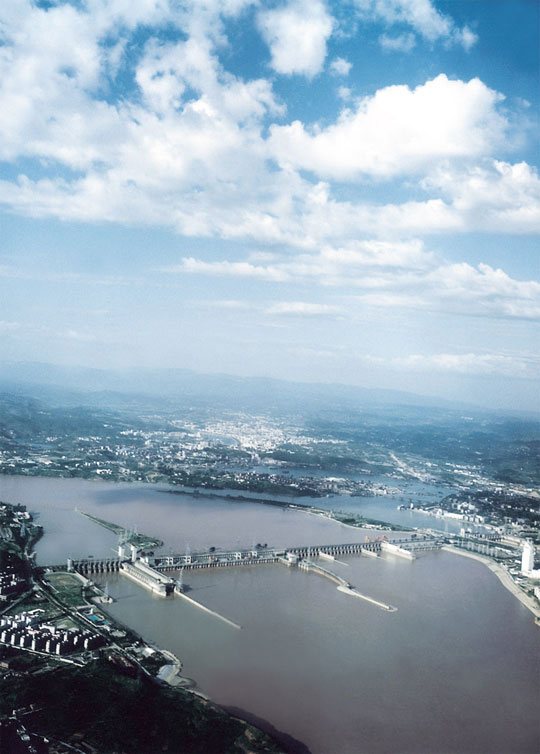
pixel 344 92
pixel 226 304
pixel 187 148
pixel 358 260
pixel 230 269
pixel 128 112
pixel 397 131
pixel 488 196
pixel 6 327
pixel 465 37
pixel 54 68
pixel 297 34
pixel 495 195
pixel 393 276
pixel 401 43
pixel 303 309
pixel 485 290
pixel 82 337
pixel 240 199
pixel 465 364
pixel 340 67
pixel 421 16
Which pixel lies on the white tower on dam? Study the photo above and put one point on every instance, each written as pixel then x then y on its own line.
pixel 527 558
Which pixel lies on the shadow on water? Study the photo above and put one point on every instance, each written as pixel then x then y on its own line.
pixel 291 745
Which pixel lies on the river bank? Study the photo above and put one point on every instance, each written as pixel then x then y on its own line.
pixel 504 577
pixel 360 522
pixel 119 664
pixel 298 629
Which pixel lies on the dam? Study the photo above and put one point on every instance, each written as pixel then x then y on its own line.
pixel 226 558
pixel 149 570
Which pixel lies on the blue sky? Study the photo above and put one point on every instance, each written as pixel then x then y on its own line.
pixel 318 191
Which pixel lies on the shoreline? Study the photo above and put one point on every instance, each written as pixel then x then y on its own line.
pixel 170 673
pixel 371 524
pixel 504 577
pixel 229 496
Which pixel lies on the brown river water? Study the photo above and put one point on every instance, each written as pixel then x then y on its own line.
pixel 456 669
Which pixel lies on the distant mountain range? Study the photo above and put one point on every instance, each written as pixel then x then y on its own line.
pixel 108 387
pixel 123 388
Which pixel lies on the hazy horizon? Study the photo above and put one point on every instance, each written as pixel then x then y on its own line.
pixel 310 191
pixel 30 378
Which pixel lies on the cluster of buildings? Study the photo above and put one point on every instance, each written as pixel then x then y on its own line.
pixel 11 584
pixel 461 515
pixel 27 631
pixel 13 519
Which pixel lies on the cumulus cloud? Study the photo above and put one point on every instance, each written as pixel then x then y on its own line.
pixel 242 200
pixel 187 147
pixel 344 92
pixel 397 130
pixel 296 34
pixel 421 16
pixel 466 37
pixel 487 196
pixel 494 195
pixel 340 67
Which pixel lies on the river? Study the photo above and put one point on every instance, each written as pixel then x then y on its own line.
pixel 454 670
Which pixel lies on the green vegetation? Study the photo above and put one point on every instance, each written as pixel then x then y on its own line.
pixel 117 713
pixel 36 600
pixel 352 519
pixel 18 661
pixel 67 587
pixel 17 534
pixel 11 556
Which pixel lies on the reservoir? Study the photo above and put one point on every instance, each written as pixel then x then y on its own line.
pixel 456 669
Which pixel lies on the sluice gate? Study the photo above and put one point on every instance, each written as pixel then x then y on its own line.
pixel 356 548
pixel 223 559
pixel 91 565
pixel 163 567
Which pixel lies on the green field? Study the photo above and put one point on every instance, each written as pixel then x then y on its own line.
pixel 67 587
